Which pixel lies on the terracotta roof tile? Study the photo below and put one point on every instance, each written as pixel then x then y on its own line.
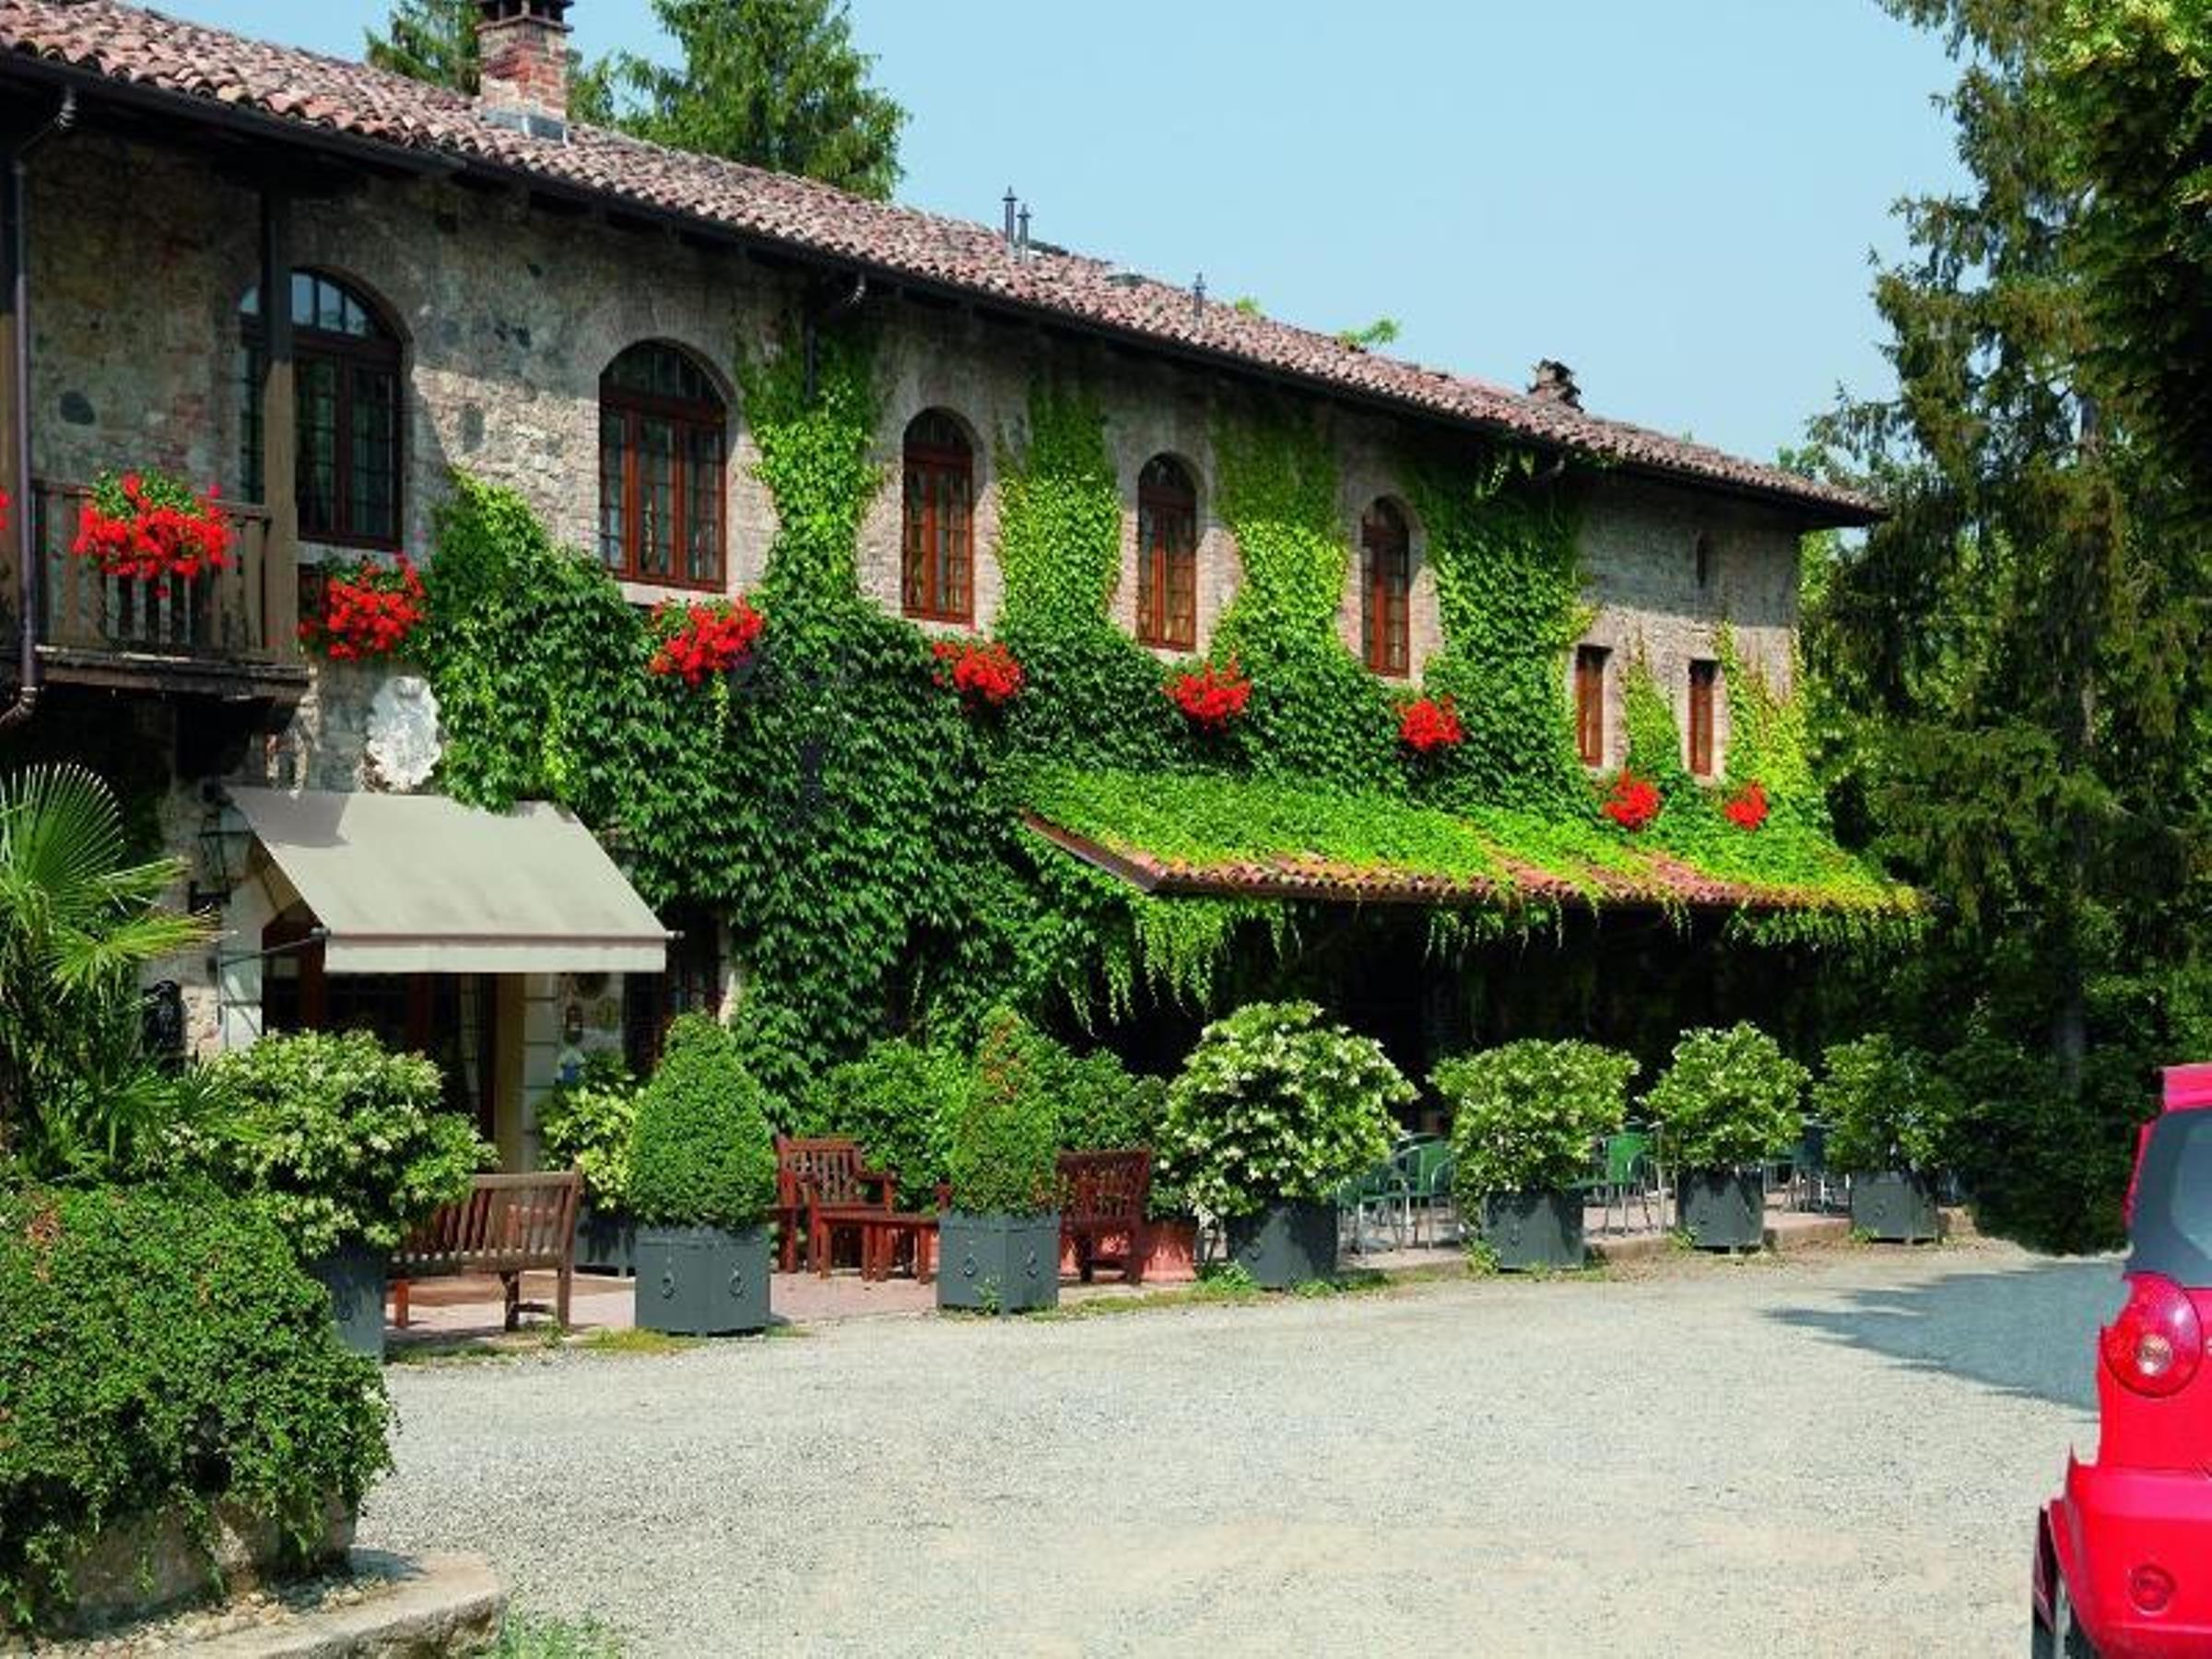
pixel 127 43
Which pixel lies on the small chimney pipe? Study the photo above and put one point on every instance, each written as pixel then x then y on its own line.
pixel 1011 205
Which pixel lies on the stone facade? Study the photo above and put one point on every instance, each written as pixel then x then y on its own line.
pixel 509 311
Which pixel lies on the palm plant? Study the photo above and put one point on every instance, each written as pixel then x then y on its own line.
pixel 78 923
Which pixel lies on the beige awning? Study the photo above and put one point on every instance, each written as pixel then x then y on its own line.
pixel 421 884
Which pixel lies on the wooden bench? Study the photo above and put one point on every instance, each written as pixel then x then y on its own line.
pixel 507 1225
pixel 824 1173
pixel 1103 1197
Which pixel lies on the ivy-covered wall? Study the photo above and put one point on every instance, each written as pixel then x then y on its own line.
pixel 860 822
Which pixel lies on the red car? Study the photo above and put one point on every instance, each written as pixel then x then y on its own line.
pixel 2124 1555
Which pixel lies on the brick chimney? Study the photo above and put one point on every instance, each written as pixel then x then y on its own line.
pixel 523 45
pixel 1555 384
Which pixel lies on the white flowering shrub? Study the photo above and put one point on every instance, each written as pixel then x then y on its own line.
pixel 1273 1105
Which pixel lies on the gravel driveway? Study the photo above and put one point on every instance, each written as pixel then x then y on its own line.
pixel 1834 1452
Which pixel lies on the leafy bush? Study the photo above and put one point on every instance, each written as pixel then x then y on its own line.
pixel 1273 1105
pixel 898 1101
pixel 344 1139
pixel 703 1155
pixel 78 921
pixel 1887 1106
pixel 163 1350
pixel 1727 1098
pixel 1525 1115
pixel 1006 1138
pixel 589 1123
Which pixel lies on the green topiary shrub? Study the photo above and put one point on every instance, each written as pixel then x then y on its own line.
pixel 1006 1138
pixel 1887 1107
pixel 898 1101
pixel 1274 1106
pixel 589 1124
pixel 1727 1099
pixel 163 1350
pixel 344 1140
pixel 703 1154
pixel 1525 1115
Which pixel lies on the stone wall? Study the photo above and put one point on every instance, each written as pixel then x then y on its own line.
pixel 509 314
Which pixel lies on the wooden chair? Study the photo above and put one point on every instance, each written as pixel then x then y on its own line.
pixel 507 1225
pixel 818 1175
pixel 1103 1197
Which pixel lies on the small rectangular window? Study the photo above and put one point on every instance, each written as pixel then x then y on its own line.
pixel 1590 704
pixel 1703 678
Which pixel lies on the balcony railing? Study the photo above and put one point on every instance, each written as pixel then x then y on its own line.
pixel 235 623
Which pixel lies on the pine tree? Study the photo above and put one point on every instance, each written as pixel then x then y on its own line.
pixel 432 40
pixel 776 83
pixel 2014 650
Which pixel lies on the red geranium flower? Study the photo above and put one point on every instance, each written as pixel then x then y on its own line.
pixel 1429 724
pixel 1633 802
pixel 983 671
pixel 708 637
pixel 1749 810
pixel 1212 697
pixel 149 527
pixel 369 609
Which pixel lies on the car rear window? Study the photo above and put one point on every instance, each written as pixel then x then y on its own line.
pixel 2172 1231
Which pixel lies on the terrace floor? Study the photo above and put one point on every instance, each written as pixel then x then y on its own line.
pixel 470 1309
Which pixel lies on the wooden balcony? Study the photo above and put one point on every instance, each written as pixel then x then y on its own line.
pixel 231 634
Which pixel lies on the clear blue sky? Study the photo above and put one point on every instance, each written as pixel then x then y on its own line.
pixel 1677 199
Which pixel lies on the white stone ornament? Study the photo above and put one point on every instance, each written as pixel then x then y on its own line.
pixel 402 733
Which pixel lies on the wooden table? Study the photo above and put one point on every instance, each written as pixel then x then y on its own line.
pixel 879 1236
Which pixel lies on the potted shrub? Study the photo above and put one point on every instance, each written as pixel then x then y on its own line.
pixel 999 1241
pixel 1727 1102
pixel 1272 1113
pixel 1524 1119
pixel 1889 1117
pixel 587 1124
pixel 349 1145
pixel 702 1180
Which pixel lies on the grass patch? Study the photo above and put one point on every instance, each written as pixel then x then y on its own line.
pixel 476 1350
pixel 542 1636
pixel 634 1342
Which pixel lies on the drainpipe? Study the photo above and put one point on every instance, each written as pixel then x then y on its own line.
pixel 16 209
pixel 829 311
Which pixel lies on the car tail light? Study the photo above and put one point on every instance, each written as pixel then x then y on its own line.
pixel 2156 1343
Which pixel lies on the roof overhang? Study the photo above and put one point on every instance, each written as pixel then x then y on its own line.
pixel 421 884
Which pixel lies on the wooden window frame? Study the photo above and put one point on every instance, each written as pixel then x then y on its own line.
pixel 651 1002
pixel 1386 591
pixel 1590 663
pixel 1704 682
pixel 343 354
pixel 1159 563
pixel 931 466
pixel 688 419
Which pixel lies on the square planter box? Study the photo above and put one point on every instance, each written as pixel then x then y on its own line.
pixel 607 1241
pixel 1723 1209
pixel 354 1275
pixel 702 1281
pixel 998 1264
pixel 1534 1229
pixel 1896 1207
pixel 1285 1245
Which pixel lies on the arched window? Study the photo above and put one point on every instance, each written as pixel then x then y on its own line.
pixel 938 567
pixel 1386 586
pixel 1167 556
pixel 346 401
pixel 661 446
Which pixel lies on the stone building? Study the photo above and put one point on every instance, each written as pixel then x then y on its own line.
pixel 476 283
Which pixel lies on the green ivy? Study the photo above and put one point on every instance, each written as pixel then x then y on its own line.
pixel 1316 712
pixel 861 833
